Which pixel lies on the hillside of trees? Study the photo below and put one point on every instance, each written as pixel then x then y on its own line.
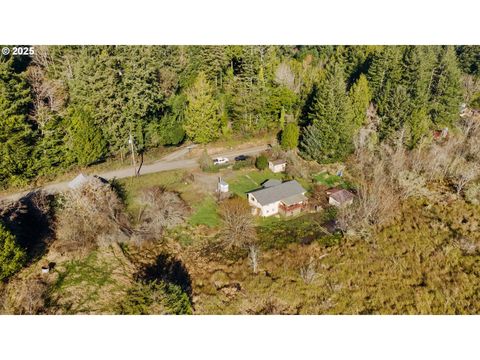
pixel 70 106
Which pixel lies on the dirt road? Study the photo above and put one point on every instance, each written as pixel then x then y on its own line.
pixel 164 164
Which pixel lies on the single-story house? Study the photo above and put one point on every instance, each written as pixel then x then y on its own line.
pixel 340 197
pixel 277 165
pixel 287 198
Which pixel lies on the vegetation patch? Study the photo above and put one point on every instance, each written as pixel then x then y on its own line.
pixel 205 213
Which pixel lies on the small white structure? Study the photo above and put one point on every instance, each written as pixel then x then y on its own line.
pixel 277 166
pixel 222 186
pixel 340 197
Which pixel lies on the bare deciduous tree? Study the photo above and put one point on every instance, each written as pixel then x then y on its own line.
pixel 463 174
pixel 26 297
pixel 308 272
pixel 161 210
pixel 90 214
pixel 238 223
pixel 253 256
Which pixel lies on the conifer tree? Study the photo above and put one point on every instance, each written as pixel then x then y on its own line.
pixel 202 120
pixel 87 144
pixel 290 136
pixel 16 133
pixel 12 256
pixel 360 97
pixel 446 89
pixel 417 124
pixel 329 136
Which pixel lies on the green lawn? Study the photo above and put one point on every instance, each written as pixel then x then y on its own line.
pixel 329 180
pixel 205 213
pixel 131 187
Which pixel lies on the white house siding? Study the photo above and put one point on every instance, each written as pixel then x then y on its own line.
pixel 277 168
pixel 333 202
pixel 270 209
pixel 265 210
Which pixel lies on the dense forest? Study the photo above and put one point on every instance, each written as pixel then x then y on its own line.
pixel 78 105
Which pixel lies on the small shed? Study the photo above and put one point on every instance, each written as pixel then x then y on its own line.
pixel 340 197
pixel 277 166
pixel 222 186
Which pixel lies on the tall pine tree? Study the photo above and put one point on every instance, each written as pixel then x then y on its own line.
pixel 16 134
pixel 329 137
pixel 202 119
pixel 446 89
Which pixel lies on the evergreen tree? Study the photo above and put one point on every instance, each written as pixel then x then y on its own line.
pixel 469 59
pixel 418 124
pixel 384 74
pixel 290 136
pixel 446 89
pixel 202 120
pixel 417 74
pixel 16 133
pixel 360 97
pixel 329 137
pixel 51 153
pixel 87 144
pixel 12 256
pixel 395 112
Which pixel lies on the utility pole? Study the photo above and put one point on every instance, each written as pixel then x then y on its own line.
pixel 132 149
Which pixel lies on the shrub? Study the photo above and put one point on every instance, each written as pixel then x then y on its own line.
pixel 262 162
pixel 472 194
pixel 12 256
pixel 242 164
pixel 162 209
pixel 155 297
pixel 205 161
pixel 91 215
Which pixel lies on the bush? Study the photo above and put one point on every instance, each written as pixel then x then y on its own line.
pixel 12 257
pixel 205 161
pixel 162 210
pixel 155 297
pixel 90 216
pixel 472 194
pixel 262 162
pixel 242 164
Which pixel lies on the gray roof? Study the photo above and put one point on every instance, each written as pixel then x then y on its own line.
pixel 79 181
pixel 271 182
pixel 294 199
pixel 276 193
pixel 342 196
pixel 278 162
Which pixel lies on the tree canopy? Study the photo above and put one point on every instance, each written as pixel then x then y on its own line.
pixel 76 105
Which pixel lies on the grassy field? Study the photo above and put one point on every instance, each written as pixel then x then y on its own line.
pixel 421 263
pixel 91 284
pixel 131 188
pixel 324 178
pixel 205 213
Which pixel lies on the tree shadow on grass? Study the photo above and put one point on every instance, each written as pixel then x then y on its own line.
pixel 169 269
pixel 30 219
